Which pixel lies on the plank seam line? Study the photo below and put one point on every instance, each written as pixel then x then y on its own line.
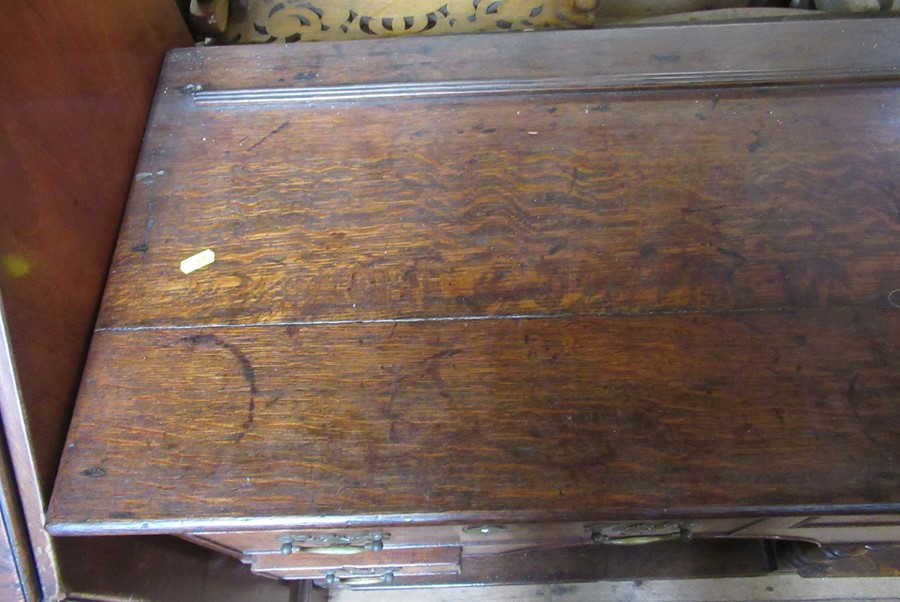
pixel 424 319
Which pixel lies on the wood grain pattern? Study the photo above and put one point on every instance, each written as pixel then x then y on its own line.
pixel 512 206
pixel 584 419
pixel 533 308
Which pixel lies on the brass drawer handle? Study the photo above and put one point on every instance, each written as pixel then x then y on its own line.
pixel 332 579
pixel 338 545
pixel 633 540
pixel 338 550
pixel 638 534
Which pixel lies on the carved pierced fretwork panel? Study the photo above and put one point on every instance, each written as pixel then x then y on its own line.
pixel 312 20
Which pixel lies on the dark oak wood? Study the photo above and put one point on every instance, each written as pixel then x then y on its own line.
pixel 550 206
pixel 635 302
pixel 548 415
pixel 501 201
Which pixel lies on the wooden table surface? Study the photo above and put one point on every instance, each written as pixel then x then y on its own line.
pixel 552 276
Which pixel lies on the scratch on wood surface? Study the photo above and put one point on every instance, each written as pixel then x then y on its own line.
pixel 478 318
pixel 144 246
pixel 443 354
pixel 269 135
pixel 732 254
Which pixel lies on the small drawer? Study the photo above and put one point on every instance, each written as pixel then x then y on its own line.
pixel 494 534
pixel 497 539
pixel 473 537
pixel 338 541
pixel 371 565
pixel 871 529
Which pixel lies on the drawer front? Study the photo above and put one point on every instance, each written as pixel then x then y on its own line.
pixel 339 541
pixel 370 556
pixel 884 528
pixel 475 538
pixel 471 535
pixel 290 542
pixel 384 565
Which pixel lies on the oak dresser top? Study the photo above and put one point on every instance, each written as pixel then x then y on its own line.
pixel 547 276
